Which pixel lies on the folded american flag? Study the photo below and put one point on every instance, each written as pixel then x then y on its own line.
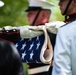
pixel 36 50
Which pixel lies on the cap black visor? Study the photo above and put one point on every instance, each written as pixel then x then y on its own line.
pixel 33 8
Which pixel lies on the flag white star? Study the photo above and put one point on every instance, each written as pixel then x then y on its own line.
pixel 22 39
pixel 31 55
pixel 37 38
pixel 23 55
pixel 16 45
pixel 31 46
pixel 30 39
pixel 38 44
pixel 23 46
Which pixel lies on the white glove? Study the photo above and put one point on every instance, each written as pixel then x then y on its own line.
pixel 30 31
pixel 54 26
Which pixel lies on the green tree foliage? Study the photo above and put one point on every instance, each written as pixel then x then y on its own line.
pixel 56 14
pixel 13 13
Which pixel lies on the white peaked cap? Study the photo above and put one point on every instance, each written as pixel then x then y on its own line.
pixel 1 3
pixel 40 3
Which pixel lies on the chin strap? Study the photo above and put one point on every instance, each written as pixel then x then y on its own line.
pixel 67 7
pixel 36 16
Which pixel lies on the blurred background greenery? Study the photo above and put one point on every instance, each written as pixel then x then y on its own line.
pixel 56 14
pixel 13 13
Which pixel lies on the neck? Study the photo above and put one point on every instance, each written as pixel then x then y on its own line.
pixel 70 18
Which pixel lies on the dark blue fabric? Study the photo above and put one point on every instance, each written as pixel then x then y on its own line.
pixel 30 49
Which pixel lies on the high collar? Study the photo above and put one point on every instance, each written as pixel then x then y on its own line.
pixel 70 18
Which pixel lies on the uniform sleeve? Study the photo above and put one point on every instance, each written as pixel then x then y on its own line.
pixel 62 55
pixel 10 34
pixel 21 32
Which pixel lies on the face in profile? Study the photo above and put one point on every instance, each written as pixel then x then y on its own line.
pixel 63 4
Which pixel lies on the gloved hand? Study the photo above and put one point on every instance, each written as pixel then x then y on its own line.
pixel 30 31
pixel 53 27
